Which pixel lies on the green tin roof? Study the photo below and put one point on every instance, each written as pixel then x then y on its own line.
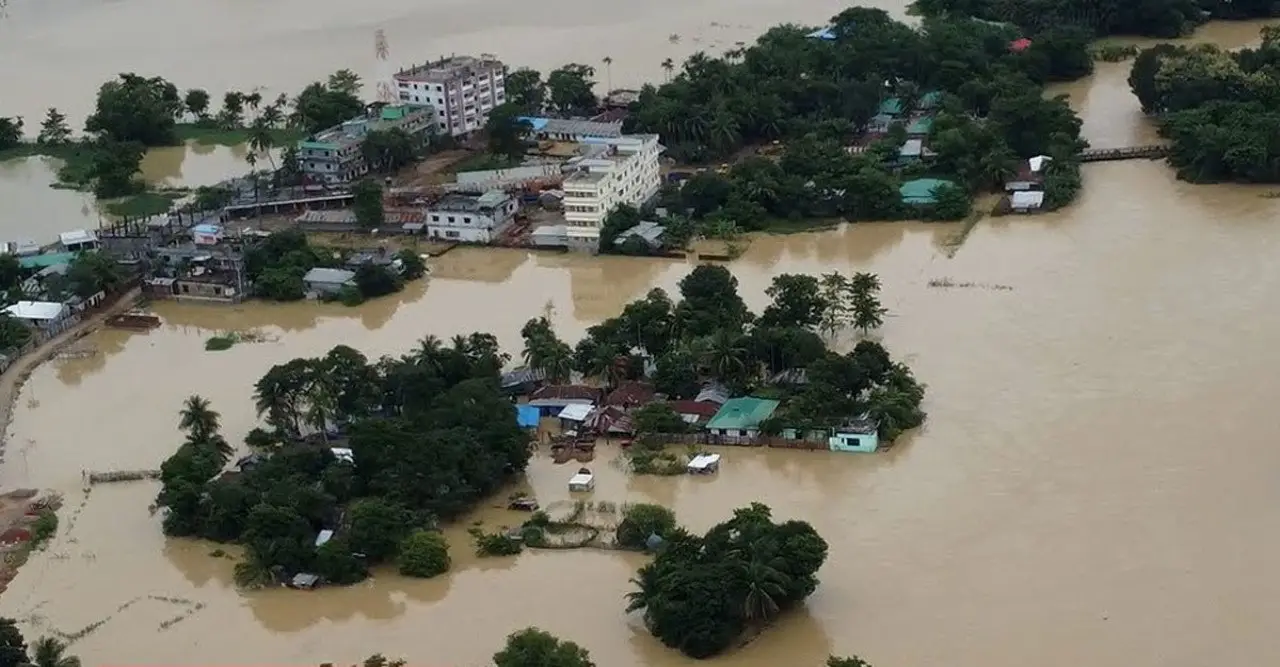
pixel 47 260
pixel 920 191
pixel 929 100
pixel 921 125
pixel 891 106
pixel 743 413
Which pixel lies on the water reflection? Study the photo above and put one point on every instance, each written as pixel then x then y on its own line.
pixel 99 346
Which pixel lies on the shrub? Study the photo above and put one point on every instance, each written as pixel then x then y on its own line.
pixel 44 527
pixel 642 520
pixel 424 554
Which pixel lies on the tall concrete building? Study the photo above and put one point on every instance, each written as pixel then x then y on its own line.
pixel 334 156
pixel 462 90
pixel 608 172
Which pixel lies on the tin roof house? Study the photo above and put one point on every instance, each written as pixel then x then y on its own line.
pixel 741 417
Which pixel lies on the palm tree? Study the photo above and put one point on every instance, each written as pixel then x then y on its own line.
pixel 765 585
pixel 198 419
pixel 668 66
pixel 725 355
pixel 50 652
pixel 322 403
pixel 261 141
pixel 557 362
pixel 608 69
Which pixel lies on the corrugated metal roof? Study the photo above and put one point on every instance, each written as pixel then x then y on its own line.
pixel 37 310
pixel 743 413
pixel 48 259
pixel 322 275
pixel 920 191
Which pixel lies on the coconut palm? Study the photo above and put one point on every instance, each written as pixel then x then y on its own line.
pixel 725 355
pixel 261 141
pixel 668 66
pixel 51 652
pixel 197 418
pixel 765 584
pixel 557 362
pixel 608 69
pixel 322 403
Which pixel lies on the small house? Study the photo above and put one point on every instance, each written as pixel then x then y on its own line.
pixel 572 416
pixel 922 191
pixel 206 234
pixel 582 481
pixel 43 315
pixel 522 381
pixel 322 281
pixel 704 464
pixel 610 420
pixel 1030 175
pixel 79 240
pixel 552 398
pixel 630 394
pixel 920 127
pixel 304 581
pixel 856 435
pixel 344 454
pixel 713 392
pixel 694 412
pixel 741 417
pixel 1026 201
pixel 22 248
pixel 649 233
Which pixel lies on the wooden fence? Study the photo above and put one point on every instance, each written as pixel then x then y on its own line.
pixel 704 438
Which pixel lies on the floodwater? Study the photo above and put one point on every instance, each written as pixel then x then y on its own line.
pixel 1095 484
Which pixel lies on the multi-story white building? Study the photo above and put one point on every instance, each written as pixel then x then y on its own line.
pixel 470 218
pixel 462 90
pixel 608 173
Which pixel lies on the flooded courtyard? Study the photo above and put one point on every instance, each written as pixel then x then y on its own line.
pixel 1095 484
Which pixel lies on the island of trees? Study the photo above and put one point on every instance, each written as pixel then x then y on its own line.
pixel 701 594
pixel 277 265
pixel 1217 108
pixel 377 452
pixel 711 335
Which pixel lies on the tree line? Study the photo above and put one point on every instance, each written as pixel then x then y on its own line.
pixel 1217 108
pixel 711 335
pixel 430 433
pixel 1148 18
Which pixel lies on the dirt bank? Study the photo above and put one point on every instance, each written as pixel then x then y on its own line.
pixel 16 375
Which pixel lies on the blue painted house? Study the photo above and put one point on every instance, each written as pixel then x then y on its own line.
pixel 856 435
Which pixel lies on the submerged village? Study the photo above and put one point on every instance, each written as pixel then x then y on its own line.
pixel 364 467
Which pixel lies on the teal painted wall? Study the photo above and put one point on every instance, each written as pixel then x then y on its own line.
pixel 854 442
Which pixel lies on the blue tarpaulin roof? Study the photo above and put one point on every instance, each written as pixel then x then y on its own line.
pixel 527 416
pixel 536 123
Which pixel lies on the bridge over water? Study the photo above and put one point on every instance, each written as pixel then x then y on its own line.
pixel 1149 152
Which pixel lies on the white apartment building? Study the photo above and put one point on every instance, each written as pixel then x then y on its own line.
pixel 462 90
pixel 470 218
pixel 608 173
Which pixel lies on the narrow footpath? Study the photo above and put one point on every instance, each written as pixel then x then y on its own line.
pixel 16 375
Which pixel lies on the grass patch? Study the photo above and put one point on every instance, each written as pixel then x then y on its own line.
pixel 484 162
pixel 798 225
pixel 205 135
pixel 43 528
pixel 1114 53
pixel 145 204
pixel 225 340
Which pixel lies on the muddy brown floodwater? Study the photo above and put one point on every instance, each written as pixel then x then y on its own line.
pixel 1096 483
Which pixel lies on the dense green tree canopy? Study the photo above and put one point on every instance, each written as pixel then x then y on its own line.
pixel 1216 107
pixel 136 109
pixel 430 435
pixel 532 647
pixel 702 592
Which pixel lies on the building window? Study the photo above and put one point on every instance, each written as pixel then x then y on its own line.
pixel 466 219
pixel 451 234
pixel 435 218
pixel 451 218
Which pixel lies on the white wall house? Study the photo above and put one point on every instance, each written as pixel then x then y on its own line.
pixel 611 172
pixel 470 218
pixel 461 89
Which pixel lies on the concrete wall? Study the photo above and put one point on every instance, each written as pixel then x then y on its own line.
pixel 514 174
